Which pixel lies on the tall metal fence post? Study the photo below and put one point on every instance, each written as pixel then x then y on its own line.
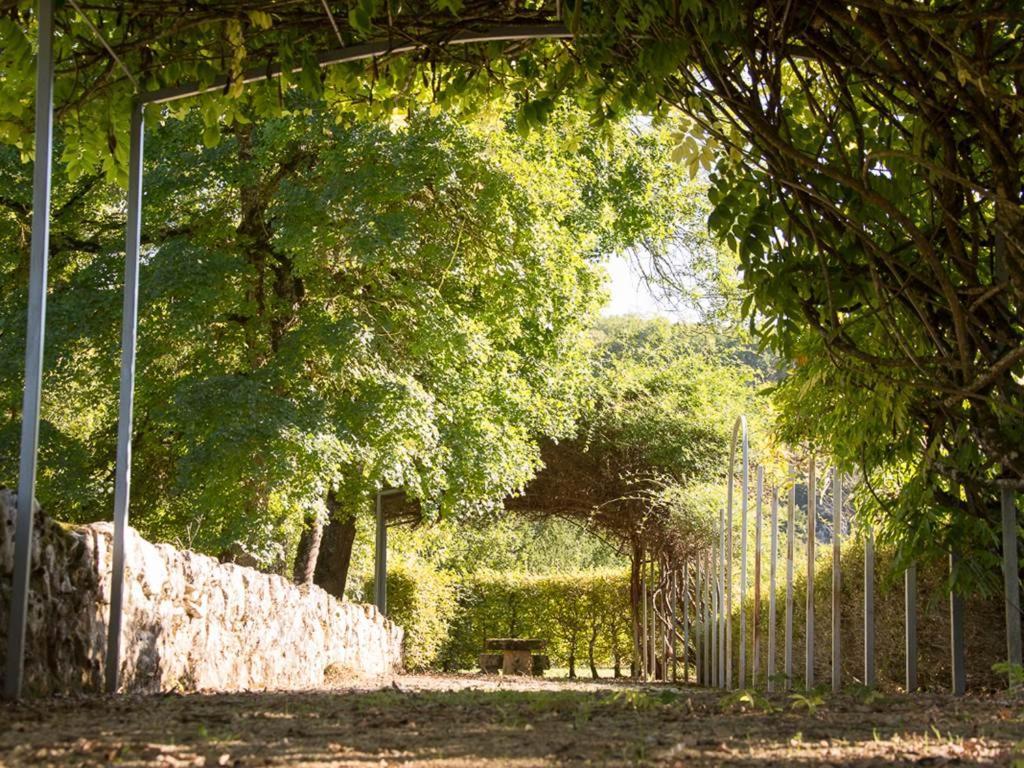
pixel 35 333
pixel 910 605
pixel 790 555
pixel 772 586
pixel 698 621
pixel 686 623
pixel 380 576
pixel 958 671
pixel 837 579
pixel 869 607
pixel 755 662
pixel 744 523
pixel 724 566
pixel 812 519
pixel 1011 579
pixel 126 402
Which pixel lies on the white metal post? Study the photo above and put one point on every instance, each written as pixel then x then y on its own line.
pixel 724 650
pixel 812 517
pixel 910 607
pixel 1011 579
pixel 869 607
pixel 380 572
pixel 129 334
pixel 837 532
pixel 772 569
pixel 34 342
pixel 958 672
pixel 790 554
pixel 755 665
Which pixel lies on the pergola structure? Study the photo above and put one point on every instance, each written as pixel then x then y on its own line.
pixel 533 27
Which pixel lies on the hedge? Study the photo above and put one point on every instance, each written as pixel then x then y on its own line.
pixel 583 616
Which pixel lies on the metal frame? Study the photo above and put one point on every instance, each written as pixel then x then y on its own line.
pixel 812 519
pixel 738 427
pixel 837 579
pixel 34 340
pixel 36 321
pixel 772 579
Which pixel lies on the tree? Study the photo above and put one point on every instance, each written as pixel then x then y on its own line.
pixel 329 307
pixel 647 464
pixel 867 169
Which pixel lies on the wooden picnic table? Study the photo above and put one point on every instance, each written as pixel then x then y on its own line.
pixel 515 656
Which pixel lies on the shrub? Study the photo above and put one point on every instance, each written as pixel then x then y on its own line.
pixel 583 616
pixel 422 600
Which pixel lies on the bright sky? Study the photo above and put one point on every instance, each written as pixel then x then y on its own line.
pixel 629 294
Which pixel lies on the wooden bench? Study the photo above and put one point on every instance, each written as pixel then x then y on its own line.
pixel 515 656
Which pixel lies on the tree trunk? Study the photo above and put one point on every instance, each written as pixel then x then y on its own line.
pixel 590 652
pixel 309 550
pixel 335 550
pixel 572 665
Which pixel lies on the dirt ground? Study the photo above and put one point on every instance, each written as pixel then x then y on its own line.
pixel 474 721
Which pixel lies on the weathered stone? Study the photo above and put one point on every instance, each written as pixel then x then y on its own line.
pixel 190 622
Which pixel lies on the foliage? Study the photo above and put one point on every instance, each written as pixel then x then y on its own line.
pixel 584 616
pixel 421 600
pixel 864 162
pixel 648 459
pixel 327 307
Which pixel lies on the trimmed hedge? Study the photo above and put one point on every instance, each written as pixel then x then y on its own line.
pixel 583 616
pixel 422 600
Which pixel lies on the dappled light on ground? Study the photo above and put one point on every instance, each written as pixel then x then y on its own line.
pixel 473 721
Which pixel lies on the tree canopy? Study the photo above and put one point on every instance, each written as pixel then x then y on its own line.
pixel 865 163
pixel 328 308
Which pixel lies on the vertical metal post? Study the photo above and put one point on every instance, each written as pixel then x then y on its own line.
pixel 910 603
pixel 34 338
pixel 724 604
pixel 758 520
pixel 653 638
pixel 716 619
pixel 869 607
pixel 790 545
pixel 699 623
pixel 380 570
pixel 744 503
pixel 674 626
pixel 686 624
pixel 812 517
pixel 772 570
pixel 837 532
pixel 704 588
pixel 126 398
pixel 1011 578
pixel 644 667
pixel 956 634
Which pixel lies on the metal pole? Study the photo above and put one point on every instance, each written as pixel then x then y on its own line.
pixel 956 634
pixel 126 400
pixel 744 503
pixel 653 637
pixel 686 624
pixel 790 543
pixel 380 572
pixel 812 517
pixel 869 608
pixel 644 668
pixel 724 602
pixel 699 667
pixel 837 532
pixel 910 602
pixel 672 646
pixel 758 519
pixel 772 569
pixel 709 624
pixel 34 338
pixel 1011 579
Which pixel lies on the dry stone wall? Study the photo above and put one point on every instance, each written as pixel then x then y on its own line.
pixel 190 622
